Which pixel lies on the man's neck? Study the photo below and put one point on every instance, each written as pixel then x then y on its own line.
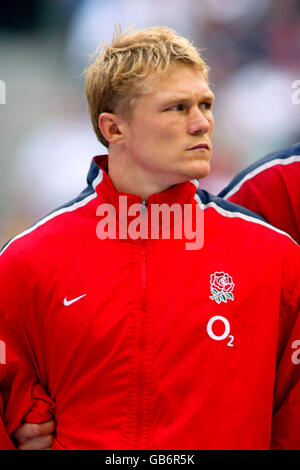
pixel 133 180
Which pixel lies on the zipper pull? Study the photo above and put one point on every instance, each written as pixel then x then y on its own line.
pixel 144 204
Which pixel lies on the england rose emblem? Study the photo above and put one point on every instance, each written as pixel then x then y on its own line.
pixel 221 287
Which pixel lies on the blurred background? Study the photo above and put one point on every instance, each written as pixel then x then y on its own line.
pixel 46 138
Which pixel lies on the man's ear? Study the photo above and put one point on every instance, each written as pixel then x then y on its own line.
pixel 111 128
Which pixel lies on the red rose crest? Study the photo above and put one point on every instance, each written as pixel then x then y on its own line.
pixel 221 287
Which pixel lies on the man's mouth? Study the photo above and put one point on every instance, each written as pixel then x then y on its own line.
pixel 200 146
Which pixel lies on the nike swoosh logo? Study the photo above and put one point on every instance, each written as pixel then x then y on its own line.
pixel 70 302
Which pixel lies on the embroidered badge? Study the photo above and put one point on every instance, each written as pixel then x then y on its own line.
pixel 221 287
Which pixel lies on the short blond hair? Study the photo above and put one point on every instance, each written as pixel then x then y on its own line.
pixel 119 71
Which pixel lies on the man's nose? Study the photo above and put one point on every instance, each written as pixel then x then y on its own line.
pixel 198 124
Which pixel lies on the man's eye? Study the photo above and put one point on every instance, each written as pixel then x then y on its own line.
pixel 206 105
pixel 176 107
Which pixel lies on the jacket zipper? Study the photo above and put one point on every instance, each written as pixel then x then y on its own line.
pixel 141 372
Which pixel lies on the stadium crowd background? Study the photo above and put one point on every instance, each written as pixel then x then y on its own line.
pixel 46 139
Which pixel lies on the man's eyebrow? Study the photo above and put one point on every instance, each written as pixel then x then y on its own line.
pixel 184 99
pixel 209 96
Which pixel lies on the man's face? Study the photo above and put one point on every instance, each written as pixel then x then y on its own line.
pixel 167 137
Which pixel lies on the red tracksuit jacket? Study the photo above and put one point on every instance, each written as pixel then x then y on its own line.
pixel 143 344
pixel 271 187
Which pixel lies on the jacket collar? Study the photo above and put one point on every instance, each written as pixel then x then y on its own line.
pixel 97 176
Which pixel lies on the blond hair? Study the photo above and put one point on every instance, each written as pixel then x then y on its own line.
pixel 118 74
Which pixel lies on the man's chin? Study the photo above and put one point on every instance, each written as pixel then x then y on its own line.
pixel 187 173
pixel 200 170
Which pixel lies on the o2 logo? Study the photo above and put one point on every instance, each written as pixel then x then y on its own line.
pixel 218 337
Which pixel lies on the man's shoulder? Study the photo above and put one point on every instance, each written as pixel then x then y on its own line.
pixel 52 227
pixel 284 160
pixel 246 218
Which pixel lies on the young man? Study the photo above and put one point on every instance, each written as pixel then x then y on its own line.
pixel 271 187
pixel 142 340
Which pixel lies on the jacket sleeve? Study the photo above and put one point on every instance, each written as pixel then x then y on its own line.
pixel 5 441
pixel 20 391
pixel 286 417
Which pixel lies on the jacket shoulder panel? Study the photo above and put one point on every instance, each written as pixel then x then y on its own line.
pixel 87 195
pixel 286 156
pixel 231 210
